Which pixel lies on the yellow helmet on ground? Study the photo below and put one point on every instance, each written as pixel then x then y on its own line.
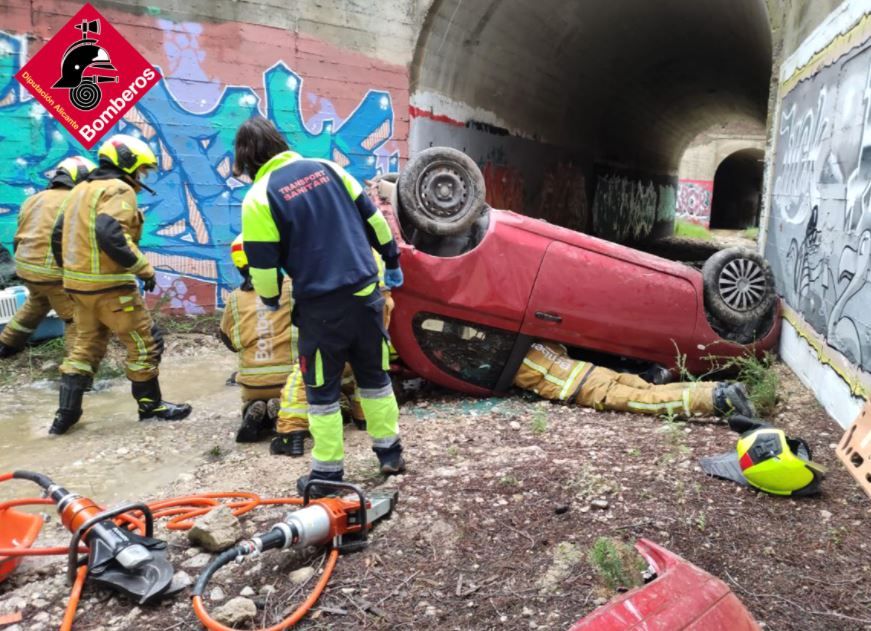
pixel 127 153
pixel 767 459
pixel 71 171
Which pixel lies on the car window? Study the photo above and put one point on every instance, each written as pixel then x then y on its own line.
pixel 466 350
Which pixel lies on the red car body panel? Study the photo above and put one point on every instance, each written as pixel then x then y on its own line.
pixel 682 596
pixel 610 298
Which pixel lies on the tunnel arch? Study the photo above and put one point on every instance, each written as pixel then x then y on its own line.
pixel 737 199
pixel 552 96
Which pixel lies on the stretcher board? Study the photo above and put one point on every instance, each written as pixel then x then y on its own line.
pixel 854 450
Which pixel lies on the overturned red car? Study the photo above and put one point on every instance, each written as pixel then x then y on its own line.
pixel 482 284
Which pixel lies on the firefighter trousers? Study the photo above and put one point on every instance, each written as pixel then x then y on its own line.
pixel 332 332
pixel 120 311
pixel 42 298
pixel 605 389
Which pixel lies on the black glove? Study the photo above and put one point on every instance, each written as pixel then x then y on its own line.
pixel 150 283
pixel 271 303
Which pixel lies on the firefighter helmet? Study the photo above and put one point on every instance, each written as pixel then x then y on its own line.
pixel 769 460
pixel 127 153
pixel 71 171
pixel 237 254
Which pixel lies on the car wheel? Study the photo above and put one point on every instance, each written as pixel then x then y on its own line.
pixel 739 287
pixel 441 191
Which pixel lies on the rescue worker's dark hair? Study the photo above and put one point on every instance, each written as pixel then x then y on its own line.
pixel 256 142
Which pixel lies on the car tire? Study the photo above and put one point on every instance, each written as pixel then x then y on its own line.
pixel 441 191
pixel 739 287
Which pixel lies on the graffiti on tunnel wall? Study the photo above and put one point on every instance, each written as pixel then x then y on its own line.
pixel 190 119
pixel 694 201
pixel 819 239
pixel 628 206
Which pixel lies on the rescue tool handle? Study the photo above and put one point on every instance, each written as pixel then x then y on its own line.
pixel 330 484
pixel 548 317
pixel 73 556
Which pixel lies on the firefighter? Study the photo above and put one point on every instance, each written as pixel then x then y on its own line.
pixel 34 262
pixel 266 343
pixel 314 221
pixel 96 242
pixel 292 426
pixel 548 371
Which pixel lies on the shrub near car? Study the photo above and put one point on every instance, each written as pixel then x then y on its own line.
pixel 482 284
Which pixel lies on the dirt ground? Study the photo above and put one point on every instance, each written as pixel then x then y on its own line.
pixel 494 520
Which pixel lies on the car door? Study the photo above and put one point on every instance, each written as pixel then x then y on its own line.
pixel 630 304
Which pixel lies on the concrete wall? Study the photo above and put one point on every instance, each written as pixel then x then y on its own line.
pixel 334 78
pixel 699 166
pixel 818 236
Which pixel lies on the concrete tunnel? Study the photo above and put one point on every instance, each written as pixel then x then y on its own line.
pixel 579 112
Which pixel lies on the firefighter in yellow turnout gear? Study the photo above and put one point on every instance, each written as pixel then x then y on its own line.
pixel 266 343
pixel 34 262
pixel 548 371
pixel 95 241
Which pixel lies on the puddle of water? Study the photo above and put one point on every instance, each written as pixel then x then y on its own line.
pixel 109 455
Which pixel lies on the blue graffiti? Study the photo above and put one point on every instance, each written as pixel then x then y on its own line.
pixel 195 213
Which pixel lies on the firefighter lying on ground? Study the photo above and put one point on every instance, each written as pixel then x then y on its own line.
pixel 548 371
pixel 95 241
pixel 34 263
pixel 266 343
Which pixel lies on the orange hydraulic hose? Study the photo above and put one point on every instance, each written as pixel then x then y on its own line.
pixel 75 595
pixel 213 625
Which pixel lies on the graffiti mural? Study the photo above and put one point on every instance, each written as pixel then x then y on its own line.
pixel 694 201
pixel 820 225
pixel 190 120
pixel 627 207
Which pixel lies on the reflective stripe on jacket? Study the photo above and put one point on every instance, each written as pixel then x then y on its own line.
pixel 548 371
pixel 265 339
pixel 101 217
pixel 33 258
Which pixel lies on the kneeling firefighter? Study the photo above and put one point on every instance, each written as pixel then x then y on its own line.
pixel 266 343
pixel 95 240
pixel 548 371
pixel 34 262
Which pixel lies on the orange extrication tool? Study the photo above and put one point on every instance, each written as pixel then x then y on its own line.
pixel 342 522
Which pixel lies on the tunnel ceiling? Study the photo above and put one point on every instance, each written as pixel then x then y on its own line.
pixel 623 81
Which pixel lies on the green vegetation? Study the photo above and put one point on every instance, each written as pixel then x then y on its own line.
pixel 509 480
pixel 208 324
pixel 751 233
pixel 539 421
pixel 676 437
pixel 617 564
pixel 761 379
pixel 690 230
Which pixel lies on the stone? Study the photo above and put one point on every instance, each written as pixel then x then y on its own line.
pixel 247 591
pixel 200 560
pixel 180 580
pixel 217 530
pixel 216 594
pixel 300 576
pixel 266 590
pixel 600 504
pixel 235 611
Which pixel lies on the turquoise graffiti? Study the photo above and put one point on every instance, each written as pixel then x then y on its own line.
pixel 195 213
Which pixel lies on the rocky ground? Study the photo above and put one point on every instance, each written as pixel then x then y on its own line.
pixel 497 513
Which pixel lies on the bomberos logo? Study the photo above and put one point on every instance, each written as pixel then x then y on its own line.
pixel 87 76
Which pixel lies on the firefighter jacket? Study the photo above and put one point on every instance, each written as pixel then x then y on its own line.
pixel 314 221
pixel 548 371
pixel 265 339
pixel 97 236
pixel 32 243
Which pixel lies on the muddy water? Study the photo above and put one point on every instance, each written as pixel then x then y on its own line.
pixel 109 455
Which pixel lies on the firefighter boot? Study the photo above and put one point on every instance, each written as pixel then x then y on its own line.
pixel 732 398
pixel 69 411
pixel 290 444
pixel 9 351
pixel 152 405
pixel 254 421
pixel 316 491
pixel 390 458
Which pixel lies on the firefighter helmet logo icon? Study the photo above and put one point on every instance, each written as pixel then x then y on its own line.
pixel 85 56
